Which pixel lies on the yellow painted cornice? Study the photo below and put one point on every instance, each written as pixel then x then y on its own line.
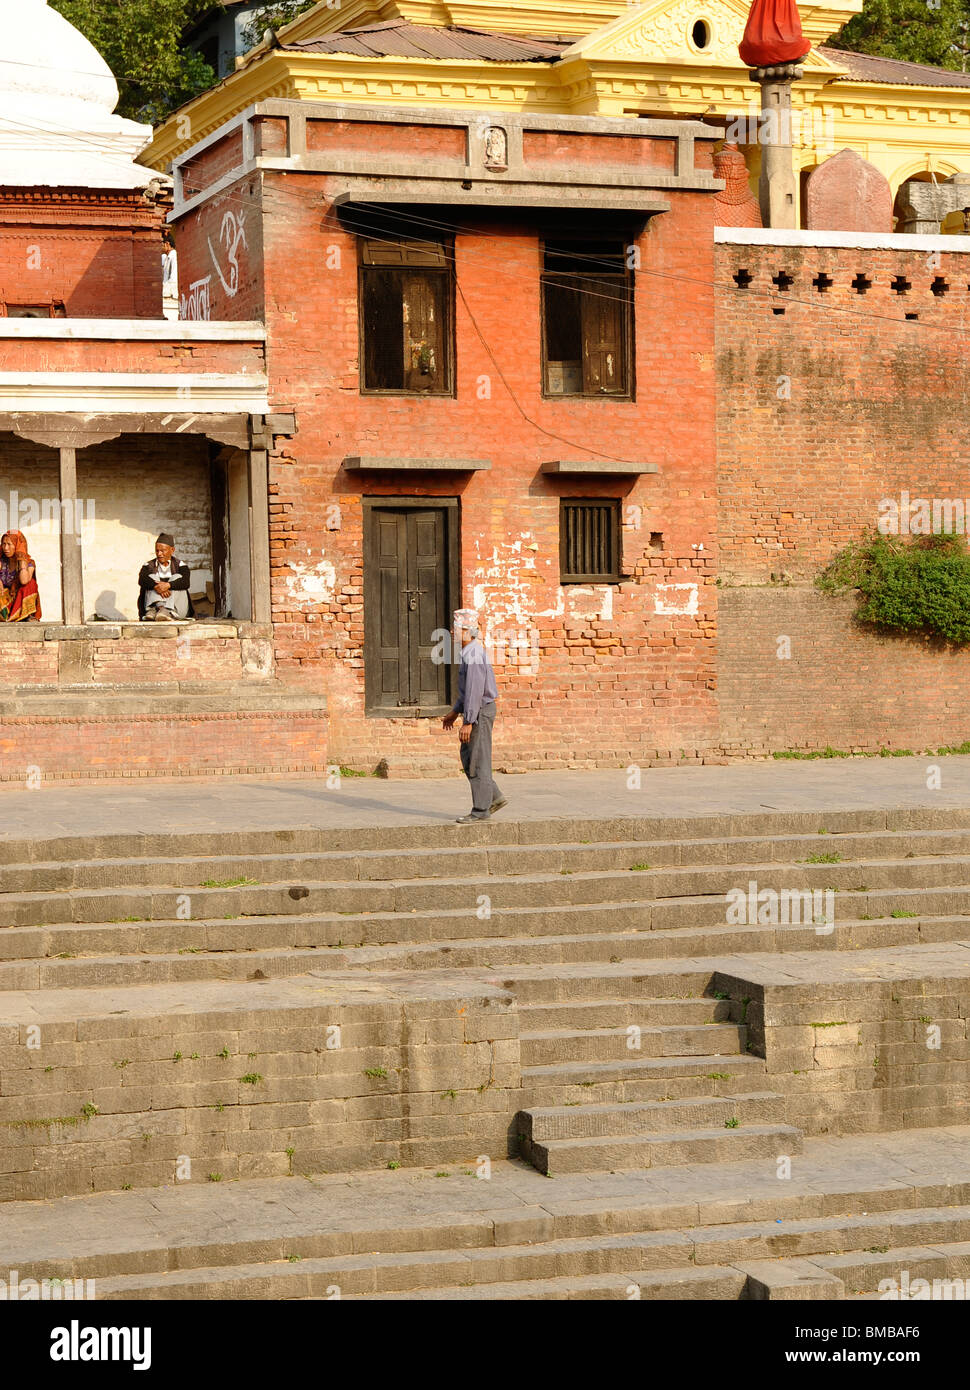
pixel 544 18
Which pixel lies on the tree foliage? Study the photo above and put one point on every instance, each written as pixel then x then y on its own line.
pixel 272 17
pixel 141 41
pixel 918 31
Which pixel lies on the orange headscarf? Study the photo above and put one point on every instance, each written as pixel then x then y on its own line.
pixel 19 544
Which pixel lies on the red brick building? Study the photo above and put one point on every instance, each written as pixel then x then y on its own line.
pixel 497 341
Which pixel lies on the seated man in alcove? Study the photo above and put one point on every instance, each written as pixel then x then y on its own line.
pixel 163 585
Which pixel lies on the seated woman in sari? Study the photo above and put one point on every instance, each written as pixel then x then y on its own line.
pixel 19 597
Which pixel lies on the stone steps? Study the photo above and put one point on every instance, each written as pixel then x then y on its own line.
pixel 322 865
pixel 673 898
pixel 822 828
pixel 579 1084
pixel 621 1013
pixel 682 1282
pixel 544 1123
pixel 66 957
pixel 662 1259
pixel 617 1152
pixel 614 1044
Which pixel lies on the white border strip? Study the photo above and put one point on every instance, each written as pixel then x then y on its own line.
pixel 860 241
pixel 144 330
pixel 118 393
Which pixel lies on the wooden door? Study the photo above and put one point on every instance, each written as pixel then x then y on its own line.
pixel 406 602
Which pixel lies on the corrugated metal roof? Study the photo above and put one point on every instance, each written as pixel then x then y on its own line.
pixel 864 67
pixel 396 38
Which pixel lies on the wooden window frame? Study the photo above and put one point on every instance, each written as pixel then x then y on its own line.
pixel 626 277
pixel 614 504
pixel 425 266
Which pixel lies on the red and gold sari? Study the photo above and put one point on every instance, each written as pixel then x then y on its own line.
pixel 18 602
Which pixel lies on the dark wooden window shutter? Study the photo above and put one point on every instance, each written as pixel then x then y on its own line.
pixel 604 316
pixel 589 541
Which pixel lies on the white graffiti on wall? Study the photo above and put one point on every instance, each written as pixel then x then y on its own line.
pixel 683 599
pixel 232 235
pixel 312 584
pixel 197 304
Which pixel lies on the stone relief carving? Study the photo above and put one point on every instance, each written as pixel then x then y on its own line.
pixel 496 148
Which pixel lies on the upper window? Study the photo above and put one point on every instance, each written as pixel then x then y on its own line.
pixel 29 311
pixel 406 316
pixel 587 319
pixel 589 540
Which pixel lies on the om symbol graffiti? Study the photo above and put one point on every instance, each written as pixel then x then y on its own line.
pixel 232 235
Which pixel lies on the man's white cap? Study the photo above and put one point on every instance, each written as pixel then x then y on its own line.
pixel 466 619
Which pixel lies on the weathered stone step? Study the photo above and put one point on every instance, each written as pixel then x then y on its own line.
pixel 591 1121
pixel 670 898
pixel 319 863
pixel 888 1271
pixel 663 1149
pixel 616 1044
pixel 682 1282
pixel 62 956
pixel 621 1013
pixel 577 1080
pixel 505 830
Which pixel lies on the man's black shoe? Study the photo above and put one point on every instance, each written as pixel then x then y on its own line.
pixel 471 819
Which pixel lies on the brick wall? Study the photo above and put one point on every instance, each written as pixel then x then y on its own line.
pixel 830 400
pixel 843 686
pixel 98 253
pixel 158 744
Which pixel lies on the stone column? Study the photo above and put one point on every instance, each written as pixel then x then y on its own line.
pixel 72 591
pixel 776 187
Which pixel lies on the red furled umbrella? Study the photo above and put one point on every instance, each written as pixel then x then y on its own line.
pixel 773 35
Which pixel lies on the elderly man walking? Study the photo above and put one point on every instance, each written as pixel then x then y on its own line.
pixel 477 693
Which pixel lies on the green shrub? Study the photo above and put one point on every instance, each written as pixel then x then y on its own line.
pixel 921 585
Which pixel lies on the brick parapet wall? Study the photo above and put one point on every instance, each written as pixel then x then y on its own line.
pixel 36 750
pixel 99 253
pixel 830 400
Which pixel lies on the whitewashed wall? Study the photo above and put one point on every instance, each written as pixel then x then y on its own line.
pixel 129 491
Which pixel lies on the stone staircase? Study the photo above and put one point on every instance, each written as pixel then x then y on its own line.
pixel 859 1215
pixel 603 938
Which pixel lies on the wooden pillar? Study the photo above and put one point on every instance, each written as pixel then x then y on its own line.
pixel 259 525
pixel 72 589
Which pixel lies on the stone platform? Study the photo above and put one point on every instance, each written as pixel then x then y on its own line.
pixel 202 997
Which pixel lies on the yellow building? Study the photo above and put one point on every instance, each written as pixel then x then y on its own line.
pixel 598 57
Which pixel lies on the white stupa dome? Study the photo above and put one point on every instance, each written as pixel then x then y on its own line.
pixel 57 98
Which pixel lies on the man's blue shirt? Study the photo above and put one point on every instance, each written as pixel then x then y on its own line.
pixel 476 681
